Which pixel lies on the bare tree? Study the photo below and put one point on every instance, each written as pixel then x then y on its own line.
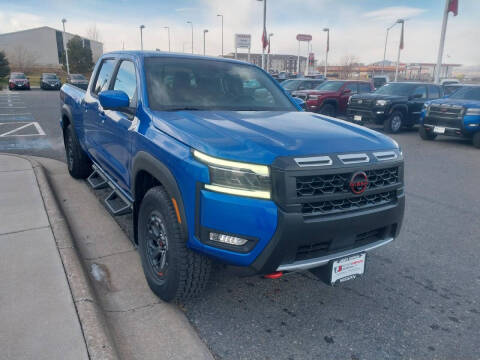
pixel 22 59
pixel 349 62
pixel 93 33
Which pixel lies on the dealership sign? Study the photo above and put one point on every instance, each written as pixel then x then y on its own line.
pixel 304 37
pixel 243 41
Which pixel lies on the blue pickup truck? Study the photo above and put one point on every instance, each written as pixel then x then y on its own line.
pixel 218 163
pixel 456 115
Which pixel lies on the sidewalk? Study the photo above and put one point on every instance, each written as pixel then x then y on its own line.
pixel 38 319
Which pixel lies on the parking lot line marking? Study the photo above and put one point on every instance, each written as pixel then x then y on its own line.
pixel 16 114
pixel 37 126
pixel 13 107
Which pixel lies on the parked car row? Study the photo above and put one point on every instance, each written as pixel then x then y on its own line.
pixel 48 81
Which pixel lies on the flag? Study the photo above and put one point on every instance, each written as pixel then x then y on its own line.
pixel 264 38
pixel 401 38
pixel 453 7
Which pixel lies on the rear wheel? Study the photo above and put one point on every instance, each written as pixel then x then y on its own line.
pixel 394 123
pixel 173 271
pixel 476 139
pixel 426 135
pixel 78 163
pixel 327 109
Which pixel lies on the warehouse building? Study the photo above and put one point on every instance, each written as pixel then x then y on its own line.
pixel 41 47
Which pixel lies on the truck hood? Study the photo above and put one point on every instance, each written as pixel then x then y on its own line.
pixel 261 136
pixel 458 102
pixel 316 92
pixel 374 96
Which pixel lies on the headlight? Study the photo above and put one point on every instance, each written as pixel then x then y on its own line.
pixel 312 97
pixel 236 178
pixel 381 102
pixel 472 111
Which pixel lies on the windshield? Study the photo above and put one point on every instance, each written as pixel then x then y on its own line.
pixel 50 76
pixel 330 86
pixel 291 84
pixel 197 84
pixel 467 93
pixel 18 76
pixel 401 89
pixel 77 77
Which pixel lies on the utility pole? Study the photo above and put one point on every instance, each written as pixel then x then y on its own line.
pixel 189 22
pixel 222 31
pixel 204 33
pixel 269 49
pixel 400 47
pixel 450 5
pixel 327 49
pixel 168 29
pixel 141 36
pixel 65 45
pixel 298 59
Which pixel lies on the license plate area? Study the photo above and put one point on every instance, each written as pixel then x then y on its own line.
pixel 439 130
pixel 347 268
pixel 357 117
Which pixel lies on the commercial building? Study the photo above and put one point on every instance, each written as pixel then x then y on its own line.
pixel 276 62
pixel 41 47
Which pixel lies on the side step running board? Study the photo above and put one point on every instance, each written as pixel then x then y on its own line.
pixel 117 202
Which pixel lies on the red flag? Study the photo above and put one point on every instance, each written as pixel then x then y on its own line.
pixel 401 38
pixel 264 38
pixel 453 7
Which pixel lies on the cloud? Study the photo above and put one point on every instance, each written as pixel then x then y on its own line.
pixel 185 9
pixel 394 12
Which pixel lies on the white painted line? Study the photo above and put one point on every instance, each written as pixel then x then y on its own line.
pixel 16 114
pixel 37 126
pixel 14 107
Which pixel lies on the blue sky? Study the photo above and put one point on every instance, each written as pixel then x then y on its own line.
pixel 357 26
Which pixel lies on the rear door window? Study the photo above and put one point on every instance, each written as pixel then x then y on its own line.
pixel 422 90
pixel 104 75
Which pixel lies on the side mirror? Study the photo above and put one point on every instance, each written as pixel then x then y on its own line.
pixel 416 96
pixel 347 91
pixel 299 102
pixel 114 99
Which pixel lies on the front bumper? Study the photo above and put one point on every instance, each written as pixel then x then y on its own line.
pixel 461 127
pixel 51 86
pixel 376 115
pixel 19 86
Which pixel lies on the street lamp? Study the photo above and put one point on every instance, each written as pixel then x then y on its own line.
pixel 189 22
pixel 168 29
pixel 264 31
pixel 204 33
pixel 141 36
pixel 64 46
pixel 400 46
pixel 386 39
pixel 222 30
pixel 269 48
pixel 327 30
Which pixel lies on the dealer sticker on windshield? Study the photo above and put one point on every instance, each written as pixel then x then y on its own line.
pixel 348 268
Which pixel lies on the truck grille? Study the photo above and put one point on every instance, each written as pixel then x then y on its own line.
pixel 360 103
pixel 445 115
pixel 330 207
pixel 339 183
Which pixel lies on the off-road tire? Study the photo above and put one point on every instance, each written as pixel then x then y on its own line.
pixel 328 110
pixel 426 135
pixel 186 273
pixel 78 164
pixel 476 140
pixel 394 122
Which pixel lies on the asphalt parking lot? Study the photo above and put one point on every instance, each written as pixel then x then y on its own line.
pixel 418 299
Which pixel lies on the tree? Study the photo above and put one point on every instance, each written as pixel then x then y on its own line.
pixel 4 67
pixel 93 33
pixel 349 62
pixel 79 56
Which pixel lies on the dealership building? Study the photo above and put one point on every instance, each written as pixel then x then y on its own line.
pixel 43 46
pixel 276 62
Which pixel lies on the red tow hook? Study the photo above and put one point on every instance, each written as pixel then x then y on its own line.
pixel 274 275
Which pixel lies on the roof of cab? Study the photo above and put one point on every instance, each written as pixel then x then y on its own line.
pixel 144 54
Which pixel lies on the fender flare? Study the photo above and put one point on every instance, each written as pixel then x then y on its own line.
pixel 401 107
pixel 331 101
pixel 66 111
pixel 143 161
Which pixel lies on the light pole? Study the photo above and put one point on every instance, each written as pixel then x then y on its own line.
pixel 222 31
pixel 168 29
pixel 326 52
pixel 385 49
pixel 189 22
pixel 400 47
pixel 450 6
pixel 264 36
pixel 269 49
pixel 204 33
pixel 65 46
pixel 141 36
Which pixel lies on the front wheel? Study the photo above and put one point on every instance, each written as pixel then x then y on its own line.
pixel 394 123
pixel 327 109
pixel 426 135
pixel 476 139
pixel 173 271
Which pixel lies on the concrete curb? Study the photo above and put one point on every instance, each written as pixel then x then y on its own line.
pixel 95 330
